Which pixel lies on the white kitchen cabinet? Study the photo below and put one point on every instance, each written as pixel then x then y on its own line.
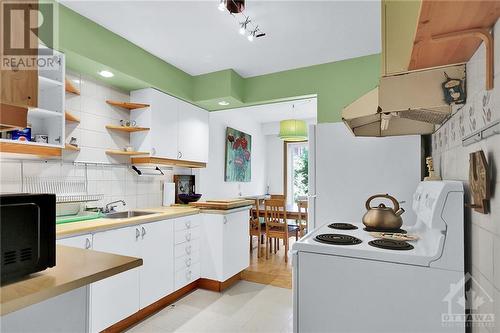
pixel 117 297
pixel 225 244
pixel 193 133
pixel 81 242
pixel 156 248
pixel 178 130
pixel 187 250
pixel 162 120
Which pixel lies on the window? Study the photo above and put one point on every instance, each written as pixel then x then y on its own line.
pixel 296 171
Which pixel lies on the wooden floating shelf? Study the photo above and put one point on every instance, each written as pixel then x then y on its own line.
pixel 70 88
pixel 127 105
pixel 67 146
pixel 167 161
pixel 126 153
pixel 71 118
pixel 126 128
pixel 29 149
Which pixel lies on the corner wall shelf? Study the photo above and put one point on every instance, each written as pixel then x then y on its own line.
pixel 127 105
pixel 67 146
pixel 71 118
pixel 126 128
pixel 126 153
pixel 29 148
pixel 70 88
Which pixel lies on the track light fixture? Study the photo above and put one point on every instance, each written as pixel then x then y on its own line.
pixel 235 8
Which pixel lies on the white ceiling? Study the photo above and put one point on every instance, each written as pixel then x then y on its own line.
pixel 275 112
pixel 198 38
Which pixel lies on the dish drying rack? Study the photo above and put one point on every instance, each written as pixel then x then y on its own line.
pixel 66 190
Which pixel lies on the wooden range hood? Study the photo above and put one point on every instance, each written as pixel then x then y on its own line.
pixel 12 117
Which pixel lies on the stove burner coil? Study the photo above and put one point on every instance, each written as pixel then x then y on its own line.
pixel 394 231
pixel 391 244
pixel 337 239
pixel 342 226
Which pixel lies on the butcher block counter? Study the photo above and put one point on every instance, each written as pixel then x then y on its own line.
pixel 74 268
pixel 161 213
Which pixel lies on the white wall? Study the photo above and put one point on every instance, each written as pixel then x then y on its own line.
pixel 350 169
pixel 210 181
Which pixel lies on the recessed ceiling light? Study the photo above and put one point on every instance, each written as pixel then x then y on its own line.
pixel 223 103
pixel 105 73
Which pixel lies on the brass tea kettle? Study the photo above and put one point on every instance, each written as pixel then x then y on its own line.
pixel 383 217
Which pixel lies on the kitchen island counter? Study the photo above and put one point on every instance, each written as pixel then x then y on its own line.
pixel 75 268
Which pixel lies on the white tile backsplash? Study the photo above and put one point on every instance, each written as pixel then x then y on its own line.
pixel 452 162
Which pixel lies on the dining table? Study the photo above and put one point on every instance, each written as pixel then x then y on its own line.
pixel 292 212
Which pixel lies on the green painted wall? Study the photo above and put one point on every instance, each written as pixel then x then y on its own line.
pixel 90 48
pixel 336 84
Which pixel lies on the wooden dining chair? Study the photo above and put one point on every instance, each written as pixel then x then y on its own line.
pixel 302 206
pixel 255 227
pixel 276 224
pixel 277 196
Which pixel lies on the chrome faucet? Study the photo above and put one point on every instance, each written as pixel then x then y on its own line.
pixel 109 208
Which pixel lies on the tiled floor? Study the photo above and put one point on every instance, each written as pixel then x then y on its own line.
pixel 245 307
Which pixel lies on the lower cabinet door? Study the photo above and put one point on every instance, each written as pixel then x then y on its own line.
pixel 157 252
pixel 235 244
pixel 116 297
pixel 81 242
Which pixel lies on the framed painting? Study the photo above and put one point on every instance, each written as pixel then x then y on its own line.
pixel 238 164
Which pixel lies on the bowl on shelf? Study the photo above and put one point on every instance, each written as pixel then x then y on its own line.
pixel 187 198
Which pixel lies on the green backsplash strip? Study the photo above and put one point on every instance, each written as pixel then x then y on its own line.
pixel 90 47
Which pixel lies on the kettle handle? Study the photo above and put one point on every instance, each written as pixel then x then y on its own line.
pixel 387 196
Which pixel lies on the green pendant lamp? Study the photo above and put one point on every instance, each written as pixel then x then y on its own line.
pixel 293 130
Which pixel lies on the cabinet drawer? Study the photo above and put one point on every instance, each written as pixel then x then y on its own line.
pixel 187 222
pixel 187 235
pixel 187 261
pixel 186 276
pixel 187 248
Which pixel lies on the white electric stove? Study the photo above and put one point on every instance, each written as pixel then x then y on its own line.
pixel 345 280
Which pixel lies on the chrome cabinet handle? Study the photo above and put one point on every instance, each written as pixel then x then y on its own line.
pixel 87 243
pixel 188 275
pixel 188 224
pixel 143 232
pixel 153 151
pixel 188 249
pixel 188 262
pixel 137 233
pixel 225 220
pixel 188 237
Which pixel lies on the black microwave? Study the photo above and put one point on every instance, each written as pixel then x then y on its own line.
pixel 28 234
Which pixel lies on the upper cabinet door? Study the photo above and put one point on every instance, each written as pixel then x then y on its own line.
pixel 19 86
pixel 193 133
pixel 161 117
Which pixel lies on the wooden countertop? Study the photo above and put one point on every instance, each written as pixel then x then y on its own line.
pixel 221 204
pixel 162 213
pixel 74 268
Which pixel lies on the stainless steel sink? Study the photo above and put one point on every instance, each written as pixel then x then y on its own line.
pixel 127 214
